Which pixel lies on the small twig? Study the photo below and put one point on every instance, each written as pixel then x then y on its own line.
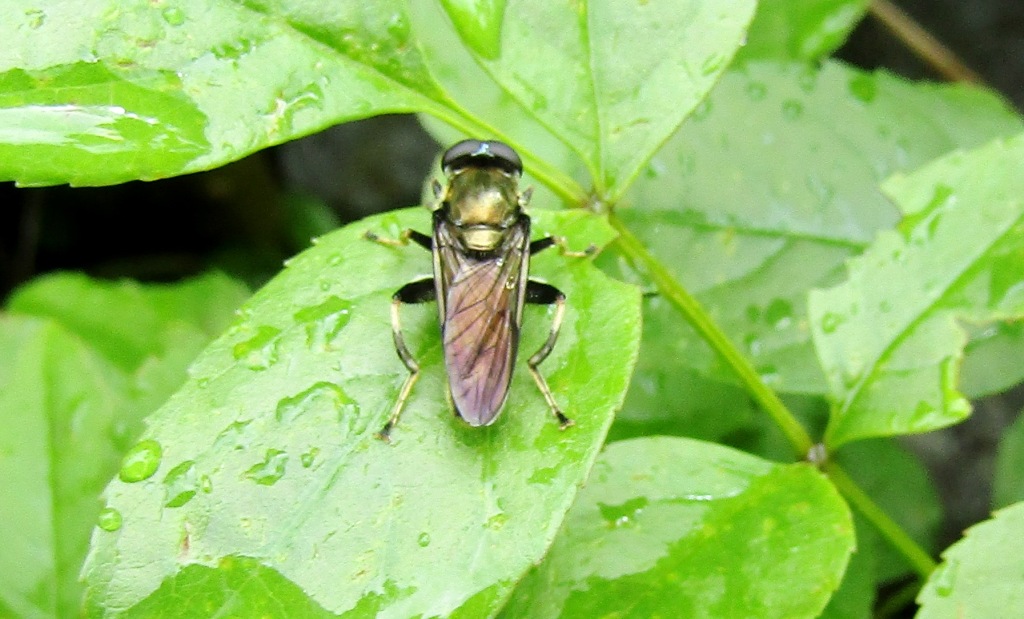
pixel 922 43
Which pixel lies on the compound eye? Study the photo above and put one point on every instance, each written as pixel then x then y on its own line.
pixel 482 154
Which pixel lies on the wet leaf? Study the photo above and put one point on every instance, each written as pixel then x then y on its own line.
pixel 288 473
pixel 982 575
pixel 672 527
pixel 750 232
pixel 65 415
pixel 76 377
pixel 611 79
pixel 800 29
pixel 171 89
pixel 889 337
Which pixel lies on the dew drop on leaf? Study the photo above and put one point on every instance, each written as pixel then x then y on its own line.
pixel 830 322
pixel 36 18
pixel 325 321
pixel 309 457
pixel 180 484
pixel 622 515
pixel 945 578
pixel 320 394
pixel 173 16
pixel 141 461
pixel 792 109
pixel 260 351
pixel 268 472
pixel 423 540
pixel 232 437
pixel 757 91
pixel 779 314
pixel 109 519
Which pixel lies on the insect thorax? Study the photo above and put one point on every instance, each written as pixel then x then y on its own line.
pixel 482 203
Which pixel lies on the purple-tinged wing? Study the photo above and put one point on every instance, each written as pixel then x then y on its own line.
pixel 481 300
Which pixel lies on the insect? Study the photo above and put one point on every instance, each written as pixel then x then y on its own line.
pixel 481 248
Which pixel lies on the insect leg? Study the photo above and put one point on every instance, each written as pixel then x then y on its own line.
pixel 563 248
pixel 419 291
pixel 423 240
pixel 546 294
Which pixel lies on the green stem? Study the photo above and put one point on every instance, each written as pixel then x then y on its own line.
pixel 921 561
pixel 798 437
pixel 691 309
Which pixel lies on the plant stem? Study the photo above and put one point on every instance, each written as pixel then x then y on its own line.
pixel 921 561
pixel 798 437
pixel 691 309
pixel 922 43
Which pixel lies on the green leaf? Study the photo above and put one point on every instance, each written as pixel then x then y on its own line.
pixel 131 322
pixel 982 575
pixel 239 585
pixel 65 419
pixel 800 29
pixel 78 374
pixel 889 338
pixel 268 452
pixel 671 527
pixel 146 90
pixel 769 228
pixel 1008 483
pixel 611 79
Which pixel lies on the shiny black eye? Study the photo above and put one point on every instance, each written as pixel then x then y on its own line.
pixel 482 154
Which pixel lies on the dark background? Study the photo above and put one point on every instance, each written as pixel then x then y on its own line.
pixel 245 218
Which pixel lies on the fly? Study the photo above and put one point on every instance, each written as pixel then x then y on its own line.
pixel 481 248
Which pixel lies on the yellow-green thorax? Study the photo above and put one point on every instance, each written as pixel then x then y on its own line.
pixel 482 203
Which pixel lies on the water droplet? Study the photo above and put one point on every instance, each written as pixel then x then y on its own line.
pixel 623 515
pixel 109 519
pixel 206 484
pixel 173 16
pixel 753 313
pixel 232 437
pixel 268 472
pixel 497 521
pixel 863 87
pixel 141 461
pixel 324 321
pixel 260 351
pixel 712 64
pixel 702 111
pixel 753 344
pixel 830 322
pixel 945 578
pixel 757 91
pixel 423 540
pixel 792 109
pixel 779 314
pixel 180 484
pixel 36 18
pixel 769 375
pixel 309 457
pixel 317 397
pixel 808 79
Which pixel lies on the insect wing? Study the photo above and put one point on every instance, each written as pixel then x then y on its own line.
pixel 480 299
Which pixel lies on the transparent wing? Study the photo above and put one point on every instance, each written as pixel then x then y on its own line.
pixel 481 314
